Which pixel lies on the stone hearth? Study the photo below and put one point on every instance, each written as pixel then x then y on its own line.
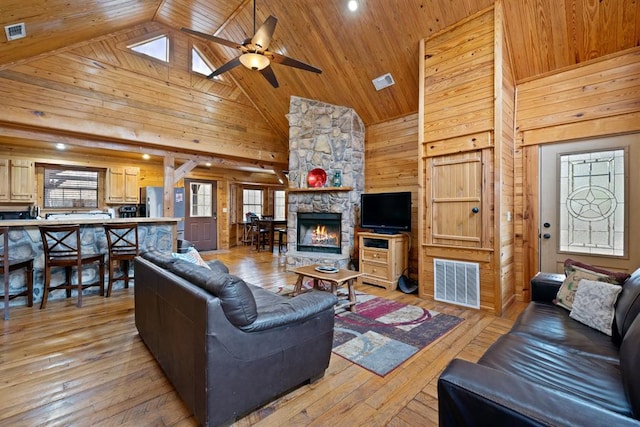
pixel 332 138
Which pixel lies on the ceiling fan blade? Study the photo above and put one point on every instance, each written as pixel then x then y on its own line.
pixel 290 62
pixel 225 67
pixel 262 37
pixel 270 76
pixel 213 38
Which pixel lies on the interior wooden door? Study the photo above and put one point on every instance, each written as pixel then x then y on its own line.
pixel 456 200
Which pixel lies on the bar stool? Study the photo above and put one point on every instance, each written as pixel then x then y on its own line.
pixel 8 265
pixel 62 248
pixel 123 247
pixel 282 234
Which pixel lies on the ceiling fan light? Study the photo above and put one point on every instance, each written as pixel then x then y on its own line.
pixel 254 61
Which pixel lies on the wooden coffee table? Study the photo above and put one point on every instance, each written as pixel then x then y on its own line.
pixel 336 280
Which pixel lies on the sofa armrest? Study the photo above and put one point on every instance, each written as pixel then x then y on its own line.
pixel 469 392
pixel 544 286
pixel 291 310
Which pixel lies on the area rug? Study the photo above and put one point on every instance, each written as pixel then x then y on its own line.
pixel 382 334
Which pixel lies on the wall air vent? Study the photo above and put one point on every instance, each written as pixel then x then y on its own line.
pixel 383 81
pixel 457 282
pixel 15 31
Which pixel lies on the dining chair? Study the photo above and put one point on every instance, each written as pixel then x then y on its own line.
pixel 265 231
pixel 7 265
pixel 122 240
pixel 63 248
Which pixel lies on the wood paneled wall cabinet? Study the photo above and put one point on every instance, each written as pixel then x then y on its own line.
pixel 466 142
pixel 122 185
pixel 17 181
pixel 383 258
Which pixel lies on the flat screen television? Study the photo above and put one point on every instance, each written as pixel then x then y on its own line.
pixel 387 213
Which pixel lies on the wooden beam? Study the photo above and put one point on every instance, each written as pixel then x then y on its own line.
pixel 169 182
pixel 82 141
pixel 183 170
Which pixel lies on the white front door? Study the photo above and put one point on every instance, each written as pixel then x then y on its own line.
pixel 590 203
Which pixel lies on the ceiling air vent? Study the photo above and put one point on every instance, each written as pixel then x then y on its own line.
pixel 15 31
pixel 383 81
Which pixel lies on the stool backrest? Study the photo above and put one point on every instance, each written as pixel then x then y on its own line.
pixel 122 238
pixel 61 242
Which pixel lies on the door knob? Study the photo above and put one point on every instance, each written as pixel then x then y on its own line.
pixel 475 210
pixel 546 225
pixel 546 235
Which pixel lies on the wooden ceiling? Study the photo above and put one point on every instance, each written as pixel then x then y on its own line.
pixel 351 48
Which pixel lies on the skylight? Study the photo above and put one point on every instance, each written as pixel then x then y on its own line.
pixel 157 47
pixel 198 64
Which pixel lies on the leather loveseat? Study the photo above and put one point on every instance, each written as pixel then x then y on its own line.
pixel 226 346
pixel 551 370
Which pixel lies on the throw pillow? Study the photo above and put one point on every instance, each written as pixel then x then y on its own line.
pixel 619 276
pixel 594 304
pixel 193 256
pixel 566 293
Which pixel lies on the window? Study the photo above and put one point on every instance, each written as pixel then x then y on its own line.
pixel 592 192
pixel 157 47
pixel 279 206
pixel 70 188
pixel 251 202
pixel 201 198
pixel 198 63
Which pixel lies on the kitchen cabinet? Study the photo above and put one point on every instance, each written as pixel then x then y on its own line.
pixel 122 185
pixel 17 181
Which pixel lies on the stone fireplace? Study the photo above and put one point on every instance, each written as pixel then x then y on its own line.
pixel 332 138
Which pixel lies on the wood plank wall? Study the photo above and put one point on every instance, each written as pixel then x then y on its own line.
pixel 467 105
pixel 103 90
pixel 598 98
pixel 391 164
pixel 505 127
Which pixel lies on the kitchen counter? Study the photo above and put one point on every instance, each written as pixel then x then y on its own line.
pixel 39 222
pixel 25 242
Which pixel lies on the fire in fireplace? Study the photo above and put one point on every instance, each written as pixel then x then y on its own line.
pixel 319 232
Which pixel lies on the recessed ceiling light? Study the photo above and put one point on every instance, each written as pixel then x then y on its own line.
pixel 208 164
pixel 60 146
pixel 352 5
pixel 146 156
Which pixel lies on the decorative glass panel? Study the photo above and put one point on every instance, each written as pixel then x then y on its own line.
pixel 592 195
pixel 201 200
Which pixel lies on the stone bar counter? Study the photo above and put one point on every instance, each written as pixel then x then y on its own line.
pixel 25 242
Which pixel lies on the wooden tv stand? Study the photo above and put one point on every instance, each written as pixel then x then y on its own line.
pixel 383 258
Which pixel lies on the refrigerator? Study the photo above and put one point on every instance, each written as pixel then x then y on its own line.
pixel 152 205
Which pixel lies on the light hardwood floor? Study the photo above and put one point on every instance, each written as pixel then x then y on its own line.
pixel 87 366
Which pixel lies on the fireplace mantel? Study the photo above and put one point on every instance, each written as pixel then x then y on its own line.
pixel 318 189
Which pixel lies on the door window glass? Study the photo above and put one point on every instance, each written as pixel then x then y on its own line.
pixel 201 199
pixel 592 203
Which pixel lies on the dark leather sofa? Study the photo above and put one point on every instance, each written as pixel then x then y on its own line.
pixel 551 370
pixel 226 346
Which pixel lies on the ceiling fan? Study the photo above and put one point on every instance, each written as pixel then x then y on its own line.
pixel 255 51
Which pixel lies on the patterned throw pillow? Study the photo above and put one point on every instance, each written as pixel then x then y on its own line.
pixel 192 256
pixel 566 293
pixel 594 304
